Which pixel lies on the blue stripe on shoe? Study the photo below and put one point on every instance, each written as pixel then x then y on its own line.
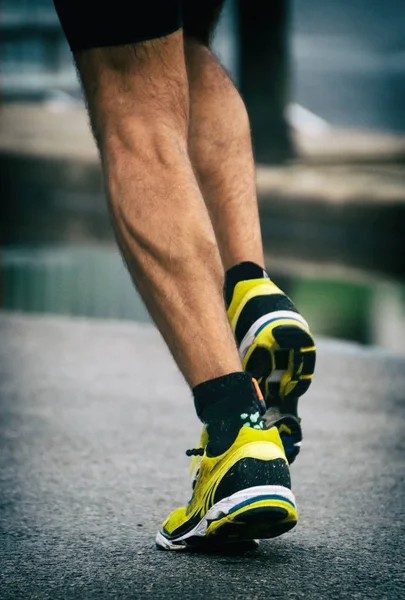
pixel 272 321
pixel 259 306
pixel 258 499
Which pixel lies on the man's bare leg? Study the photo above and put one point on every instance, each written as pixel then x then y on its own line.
pixel 221 151
pixel 274 341
pixel 138 99
pixel 138 103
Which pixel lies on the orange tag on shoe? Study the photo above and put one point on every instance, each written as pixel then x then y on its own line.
pixel 258 390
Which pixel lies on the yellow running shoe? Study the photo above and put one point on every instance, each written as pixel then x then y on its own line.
pixel 243 494
pixel 275 346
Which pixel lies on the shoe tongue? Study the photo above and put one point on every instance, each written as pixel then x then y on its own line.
pixel 241 272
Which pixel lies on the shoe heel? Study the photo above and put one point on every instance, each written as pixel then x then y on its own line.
pixel 252 472
pixel 262 512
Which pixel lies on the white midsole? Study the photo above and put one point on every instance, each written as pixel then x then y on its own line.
pixel 222 508
pixel 278 314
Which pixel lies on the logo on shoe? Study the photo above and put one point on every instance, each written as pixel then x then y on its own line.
pixel 253 420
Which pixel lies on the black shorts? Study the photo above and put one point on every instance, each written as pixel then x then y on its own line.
pixel 98 23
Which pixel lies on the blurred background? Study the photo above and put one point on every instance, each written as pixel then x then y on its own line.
pixel 324 84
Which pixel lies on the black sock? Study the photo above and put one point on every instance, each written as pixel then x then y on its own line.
pixel 241 272
pixel 226 404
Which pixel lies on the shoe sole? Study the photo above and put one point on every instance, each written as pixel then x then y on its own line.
pixel 260 512
pixel 280 353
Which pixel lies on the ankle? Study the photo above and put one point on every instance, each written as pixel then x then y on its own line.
pixel 225 405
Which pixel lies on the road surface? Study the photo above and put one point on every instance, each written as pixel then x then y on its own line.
pixel 94 423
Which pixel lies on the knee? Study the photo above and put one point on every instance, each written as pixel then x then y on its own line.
pixel 136 92
pixel 144 126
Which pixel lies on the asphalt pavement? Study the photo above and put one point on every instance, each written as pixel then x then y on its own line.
pixel 94 422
